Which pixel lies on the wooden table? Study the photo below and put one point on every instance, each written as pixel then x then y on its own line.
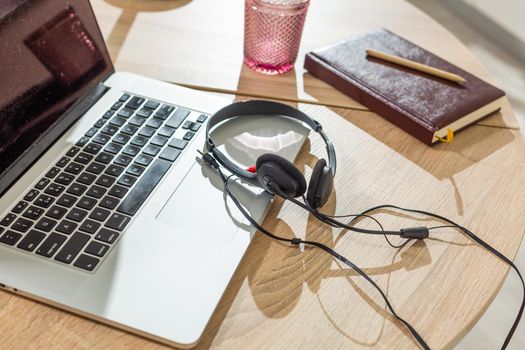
pixel 283 298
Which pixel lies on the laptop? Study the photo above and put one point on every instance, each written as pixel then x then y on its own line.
pixel 104 209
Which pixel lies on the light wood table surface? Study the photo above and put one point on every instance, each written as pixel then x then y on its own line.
pixel 282 298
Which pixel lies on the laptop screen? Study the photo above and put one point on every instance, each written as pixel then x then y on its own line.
pixel 51 54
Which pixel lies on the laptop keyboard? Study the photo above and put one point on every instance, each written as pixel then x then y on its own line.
pixel 76 213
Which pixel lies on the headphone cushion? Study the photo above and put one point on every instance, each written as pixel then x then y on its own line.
pixel 320 186
pixel 289 168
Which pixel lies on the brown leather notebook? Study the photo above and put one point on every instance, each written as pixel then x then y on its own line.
pixel 423 105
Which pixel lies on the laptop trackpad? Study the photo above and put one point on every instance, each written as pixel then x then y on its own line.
pixel 198 205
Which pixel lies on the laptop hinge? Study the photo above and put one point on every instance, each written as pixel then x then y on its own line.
pixel 53 133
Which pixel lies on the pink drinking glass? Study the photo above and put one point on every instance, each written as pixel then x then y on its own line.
pixel 272 33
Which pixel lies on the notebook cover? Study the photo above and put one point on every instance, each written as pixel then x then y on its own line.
pixel 416 102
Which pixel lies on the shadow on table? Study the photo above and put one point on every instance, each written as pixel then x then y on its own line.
pixel 130 10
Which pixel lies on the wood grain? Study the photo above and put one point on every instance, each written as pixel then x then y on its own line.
pixel 280 297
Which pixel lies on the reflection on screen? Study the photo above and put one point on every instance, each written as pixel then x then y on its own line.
pixel 52 53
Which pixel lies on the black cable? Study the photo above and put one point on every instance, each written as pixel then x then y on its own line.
pixel 296 241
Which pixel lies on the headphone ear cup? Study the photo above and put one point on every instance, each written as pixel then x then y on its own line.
pixel 272 167
pixel 320 186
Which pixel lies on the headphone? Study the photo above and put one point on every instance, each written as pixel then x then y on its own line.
pixel 272 172
pixel 281 177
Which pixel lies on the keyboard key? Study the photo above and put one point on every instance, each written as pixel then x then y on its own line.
pixel 109 202
pixel 101 139
pixel 100 123
pixel 95 168
pixel 97 248
pixel 44 201
pixel 66 200
pixel 107 236
pixel 89 226
pixel 86 178
pixel 82 142
pixel 144 112
pixel 139 141
pixel 113 148
pixel 76 214
pixel 83 158
pixel 118 121
pixel 131 150
pixel 137 121
pixel 33 213
pixel 143 159
pixel 9 218
pixel 129 129
pixel 138 195
pixel 21 225
pixel 56 212
pixel 31 195
pixel 42 183
pixel 118 222
pixel 154 123
pixel 116 105
pixel 178 143
pixel 118 191
pixel 10 237
pixel 54 189
pixel 87 203
pixel 52 172
pixel 202 118
pixel 108 114
pixel 124 97
pixel 147 131
pixel 170 153
pixel 96 191
pixel 74 168
pixel 188 135
pixel 187 124
pixel 72 151
pixel 109 130
pixel 151 104
pixel 31 240
pixel 104 158
pixel 76 189
pixel 135 169
pixel 125 112
pixel 51 245
pixel 65 178
pixel 46 224
pixel 114 170
pixel 164 112
pixel 63 162
pixel 93 148
pixel 121 138
pixel 66 226
pixel 151 150
pixel 195 127
pixel 19 207
pixel 123 160
pixel 135 102
pixel 159 140
pixel 176 119
pixel 105 181
pixel 71 249
pixel 86 262
pixel 127 180
pixel 99 214
pixel 91 132
pixel 166 131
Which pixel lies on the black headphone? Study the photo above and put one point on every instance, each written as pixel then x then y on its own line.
pixel 279 176
pixel 274 173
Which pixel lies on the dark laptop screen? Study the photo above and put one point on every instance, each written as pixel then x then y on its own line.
pixel 51 54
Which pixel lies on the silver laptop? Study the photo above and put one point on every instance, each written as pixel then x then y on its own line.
pixel 104 209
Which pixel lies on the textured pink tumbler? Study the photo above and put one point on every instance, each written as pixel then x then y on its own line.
pixel 272 33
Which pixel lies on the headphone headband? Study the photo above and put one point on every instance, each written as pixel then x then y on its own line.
pixel 257 107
